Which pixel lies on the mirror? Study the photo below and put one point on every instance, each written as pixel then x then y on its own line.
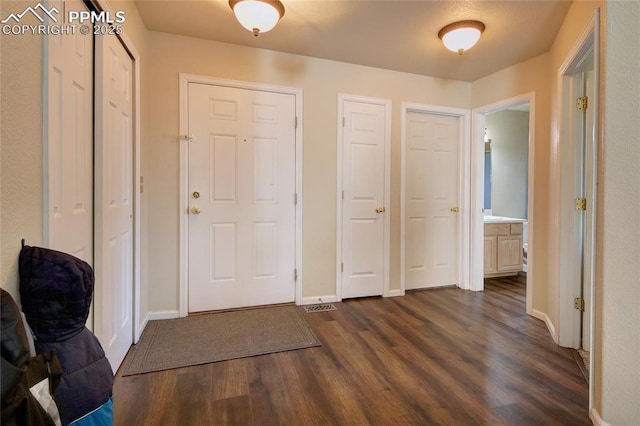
pixel 506 160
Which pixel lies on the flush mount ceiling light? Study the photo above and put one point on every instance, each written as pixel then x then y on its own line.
pixel 257 16
pixel 461 36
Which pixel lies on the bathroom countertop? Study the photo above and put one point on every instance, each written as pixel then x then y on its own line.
pixel 502 219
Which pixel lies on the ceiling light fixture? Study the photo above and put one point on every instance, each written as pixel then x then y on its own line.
pixel 257 16
pixel 461 36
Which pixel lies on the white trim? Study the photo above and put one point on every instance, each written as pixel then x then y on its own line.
pixel 185 79
pixel 544 317
pixel 477 189
pixel 464 188
pixel 314 300
pixel 161 315
pixel 595 417
pixel 386 103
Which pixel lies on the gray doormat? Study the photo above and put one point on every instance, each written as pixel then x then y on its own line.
pixel 201 339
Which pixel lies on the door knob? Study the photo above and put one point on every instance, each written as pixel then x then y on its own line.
pixel 379 209
pixel 195 210
pixel 454 209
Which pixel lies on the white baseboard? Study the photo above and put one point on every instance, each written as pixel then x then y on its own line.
pixel 314 300
pixel 596 419
pixel 141 328
pixel 394 293
pixel 544 317
pixel 160 315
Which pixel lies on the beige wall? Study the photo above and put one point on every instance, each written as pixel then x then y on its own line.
pixel 321 81
pixel 617 396
pixel 21 134
pixel 529 76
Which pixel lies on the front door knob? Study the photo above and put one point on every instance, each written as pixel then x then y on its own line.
pixel 454 209
pixel 195 210
pixel 379 209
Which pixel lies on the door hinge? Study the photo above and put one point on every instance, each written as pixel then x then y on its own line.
pixel 295 274
pixel 295 198
pixel 344 121
pixel 583 103
pixel 295 122
pixel 343 194
pixel 581 204
pixel 578 303
pixel 342 267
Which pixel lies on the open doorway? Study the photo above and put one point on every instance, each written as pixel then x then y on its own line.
pixel 506 188
pixel 502 193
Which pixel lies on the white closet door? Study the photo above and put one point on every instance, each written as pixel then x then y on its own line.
pixel 114 198
pixel 363 209
pixel 69 141
pixel 432 206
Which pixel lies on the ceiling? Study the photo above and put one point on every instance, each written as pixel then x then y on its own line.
pixel 396 35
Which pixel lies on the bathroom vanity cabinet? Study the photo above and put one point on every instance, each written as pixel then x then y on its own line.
pixel 502 248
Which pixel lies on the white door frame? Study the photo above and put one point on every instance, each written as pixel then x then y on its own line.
pixel 130 47
pixel 477 196
pixel 185 79
pixel 577 60
pixel 464 167
pixel 386 103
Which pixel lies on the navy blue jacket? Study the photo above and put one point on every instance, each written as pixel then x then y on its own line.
pixel 55 291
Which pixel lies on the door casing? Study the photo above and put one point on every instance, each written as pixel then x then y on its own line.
pixel 183 139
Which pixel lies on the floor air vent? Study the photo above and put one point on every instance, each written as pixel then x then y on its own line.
pixel 320 308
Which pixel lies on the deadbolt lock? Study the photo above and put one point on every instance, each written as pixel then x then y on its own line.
pixel 196 194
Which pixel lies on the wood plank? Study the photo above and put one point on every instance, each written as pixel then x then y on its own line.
pixel 439 356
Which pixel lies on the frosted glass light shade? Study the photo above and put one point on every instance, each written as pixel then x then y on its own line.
pixel 257 16
pixel 461 36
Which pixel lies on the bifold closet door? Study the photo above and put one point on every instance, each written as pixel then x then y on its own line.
pixel 114 198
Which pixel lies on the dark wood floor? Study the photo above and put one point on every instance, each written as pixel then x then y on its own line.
pixel 445 356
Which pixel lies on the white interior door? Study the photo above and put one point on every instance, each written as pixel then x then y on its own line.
pixel 69 149
pixel 114 198
pixel 241 197
pixel 363 209
pixel 432 188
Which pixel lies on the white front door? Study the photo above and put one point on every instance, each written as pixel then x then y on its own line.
pixel 69 135
pixel 432 188
pixel 363 170
pixel 241 197
pixel 114 198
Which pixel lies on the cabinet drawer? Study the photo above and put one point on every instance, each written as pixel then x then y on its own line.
pixel 497 229
pixel 516 228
